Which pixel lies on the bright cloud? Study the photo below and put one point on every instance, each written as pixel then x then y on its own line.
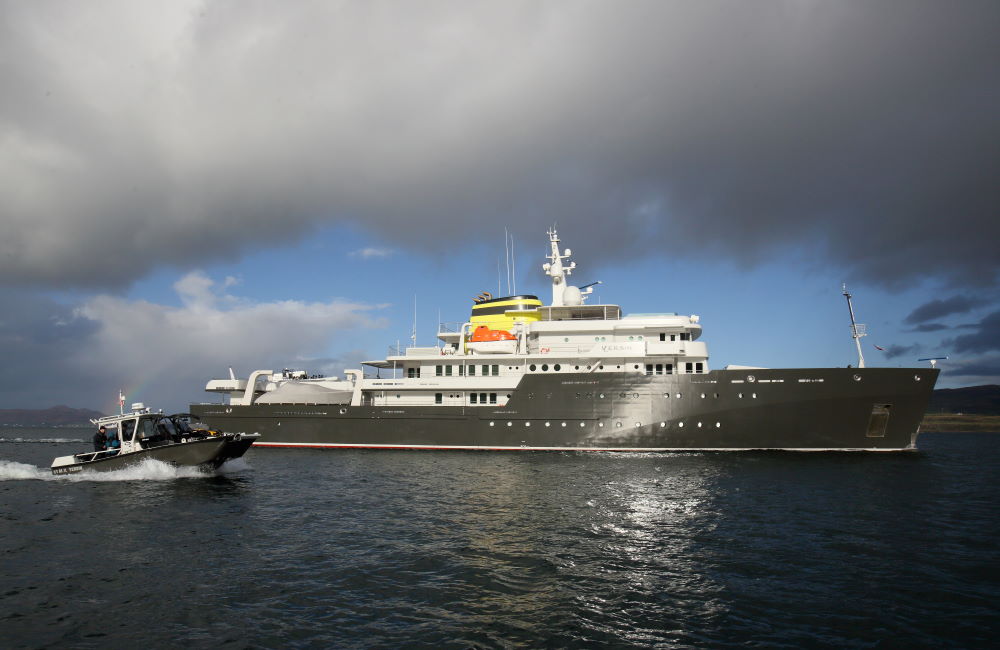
pixel 167 353
pixel 369 253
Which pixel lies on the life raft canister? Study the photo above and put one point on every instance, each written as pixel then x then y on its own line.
pixel 483 333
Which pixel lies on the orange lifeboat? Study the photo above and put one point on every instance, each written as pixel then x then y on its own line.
pixel 482 334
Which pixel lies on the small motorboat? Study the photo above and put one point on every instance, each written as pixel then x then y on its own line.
pixel 139 435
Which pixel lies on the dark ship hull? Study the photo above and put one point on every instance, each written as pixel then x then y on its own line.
pixel 872 409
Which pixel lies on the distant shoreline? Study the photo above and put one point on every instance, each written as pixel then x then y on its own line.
pixel 959 423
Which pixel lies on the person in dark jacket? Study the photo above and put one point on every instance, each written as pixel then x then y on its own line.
pixel 101 439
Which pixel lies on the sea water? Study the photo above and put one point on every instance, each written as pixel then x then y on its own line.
pixel 355 548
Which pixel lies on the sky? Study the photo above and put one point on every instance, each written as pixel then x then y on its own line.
pixel 191 186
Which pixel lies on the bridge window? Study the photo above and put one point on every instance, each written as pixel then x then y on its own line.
pixel 493 398
pixel 688 367
pixel 699 367
pixel 438 398
pixel 447 371
pixel 472 371
pixel 496 371
pixel 663 336
pixel 472 398
pixel 461 371
pixel 438 371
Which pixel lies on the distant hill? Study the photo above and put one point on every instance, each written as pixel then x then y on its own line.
pixel 56 416
pixel 980 400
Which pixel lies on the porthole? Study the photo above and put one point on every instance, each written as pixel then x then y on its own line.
pixel 718 424
pixel 751 378
pixel 680 424
pixel 739 395
pixel 557 367
pixel 582 424
pixel 563 424
pixel 601 395
pixel 600 367
pixel 545 367
pixel 638 424
pixel 600 424
pixel 716 395
pixel 492 423
pixel 753 395
pixel 576 367
pixel 916 377
pixel 548 424
pixel 527 424
pixel 342 411
pixel 663 424
pixel 635 367
pixel 618 425
pixel 678 395
pixel 631 338
pixel 532 367
pixel 666 395
pixel 566 340
pixel 857 377
pixel 699 425
pixel 703 395
pixel 510 424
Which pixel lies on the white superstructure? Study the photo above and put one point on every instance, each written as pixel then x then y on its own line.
pixel 482 360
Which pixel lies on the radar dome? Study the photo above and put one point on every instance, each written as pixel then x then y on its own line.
pixel 572 296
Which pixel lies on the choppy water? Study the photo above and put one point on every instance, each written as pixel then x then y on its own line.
pixel 319 548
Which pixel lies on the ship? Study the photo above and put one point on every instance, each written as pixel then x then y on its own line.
pixel 139 435
pixel 573 376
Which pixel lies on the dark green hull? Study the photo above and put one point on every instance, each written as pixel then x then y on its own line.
pixel 795 409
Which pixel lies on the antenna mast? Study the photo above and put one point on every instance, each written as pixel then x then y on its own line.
pixel 857 330
pixel 413 335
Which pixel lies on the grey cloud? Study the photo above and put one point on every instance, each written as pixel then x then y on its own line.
pixel 987 336
pixel 894 351
pixel 983 368
pixel 939 308
pixel 137 135
pixel 929 327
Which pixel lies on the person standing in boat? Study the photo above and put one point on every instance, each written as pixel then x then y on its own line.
pixel 101 439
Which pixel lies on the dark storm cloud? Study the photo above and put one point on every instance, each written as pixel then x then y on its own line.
pixel 939 308
pixel 985 338
pixel 142 134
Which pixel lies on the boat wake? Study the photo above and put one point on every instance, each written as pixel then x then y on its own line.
pixel 148 470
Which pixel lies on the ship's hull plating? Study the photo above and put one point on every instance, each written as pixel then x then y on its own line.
pixel 872 409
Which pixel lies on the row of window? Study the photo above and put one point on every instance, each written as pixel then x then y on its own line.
pixel 447 371
pixel 618 425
